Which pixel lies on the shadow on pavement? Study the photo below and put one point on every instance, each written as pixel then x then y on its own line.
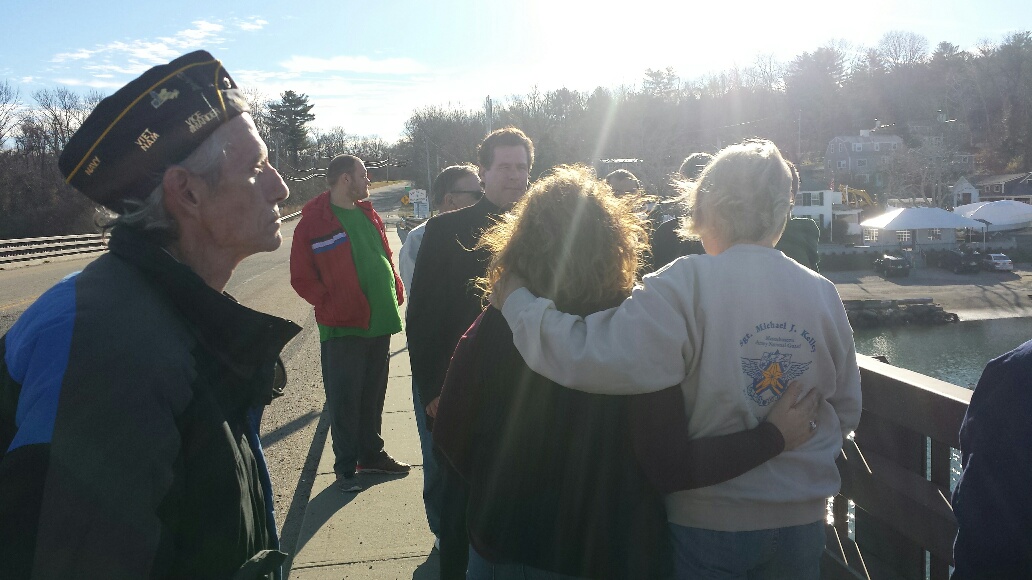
pixel 286 429
pixel 429 569
pixel 291 527
pixel 331 500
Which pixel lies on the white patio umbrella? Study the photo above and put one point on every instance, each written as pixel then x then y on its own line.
pixel 922 218
pixel 998 213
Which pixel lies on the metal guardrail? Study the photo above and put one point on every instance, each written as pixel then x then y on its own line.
pixel 20 250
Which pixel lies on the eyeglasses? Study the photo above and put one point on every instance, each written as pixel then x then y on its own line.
pixel 476 192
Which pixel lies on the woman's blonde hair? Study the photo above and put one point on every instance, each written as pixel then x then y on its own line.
pixel 743 196
pixel 571 240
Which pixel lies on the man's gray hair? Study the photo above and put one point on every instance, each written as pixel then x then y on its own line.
pixel 150 216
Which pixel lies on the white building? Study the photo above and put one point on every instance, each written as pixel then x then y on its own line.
pixel 976 188
pixel 824 206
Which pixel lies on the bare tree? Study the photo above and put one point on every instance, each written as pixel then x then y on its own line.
pixel 332 142
pixel 903 49
pixel 60 112
pixel 10 103
pixel 259 104
pixel 769 72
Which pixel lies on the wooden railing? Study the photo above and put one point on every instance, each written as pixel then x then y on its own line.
pixel 897 473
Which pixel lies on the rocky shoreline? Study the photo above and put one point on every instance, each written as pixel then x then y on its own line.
pixel 873 313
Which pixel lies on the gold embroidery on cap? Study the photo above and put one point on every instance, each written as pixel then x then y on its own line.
pixel 147 139
pixel 93 165
pixel 158 98
pixel 222 101
pixel 128 108
pixel 197 120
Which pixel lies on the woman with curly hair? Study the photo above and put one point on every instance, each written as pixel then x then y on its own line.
pixel 732 327
pixel 555 482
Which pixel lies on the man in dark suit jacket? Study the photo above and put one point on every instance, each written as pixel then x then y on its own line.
pixel 444 302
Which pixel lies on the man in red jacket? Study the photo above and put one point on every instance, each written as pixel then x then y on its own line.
pixel 341 264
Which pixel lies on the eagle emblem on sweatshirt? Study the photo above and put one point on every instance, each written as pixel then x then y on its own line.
pixel 770 375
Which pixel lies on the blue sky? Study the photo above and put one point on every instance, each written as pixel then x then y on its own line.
pixel 367 65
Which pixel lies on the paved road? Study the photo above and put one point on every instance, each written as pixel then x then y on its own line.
pixel 972 296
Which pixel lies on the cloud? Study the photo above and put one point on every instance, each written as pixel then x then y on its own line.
pixel 353 64
pixel 202 34
pixel 252 23
pixel 146 51
pixel 77 55
pixel 93 83
pixel 134 56
pixel 101 69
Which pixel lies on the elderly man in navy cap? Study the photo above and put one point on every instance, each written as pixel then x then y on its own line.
pixel 130 392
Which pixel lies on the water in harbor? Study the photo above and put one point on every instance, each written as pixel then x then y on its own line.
pixel 955 353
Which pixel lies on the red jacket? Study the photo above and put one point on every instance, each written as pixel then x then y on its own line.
pixel 322 270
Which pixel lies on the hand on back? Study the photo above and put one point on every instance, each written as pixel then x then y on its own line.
pixel 796 417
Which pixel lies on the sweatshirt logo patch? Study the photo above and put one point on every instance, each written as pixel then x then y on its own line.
pixel 327 243
pixel 770 375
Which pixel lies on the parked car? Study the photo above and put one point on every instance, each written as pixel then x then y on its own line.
pixel 961 262
pixel 997 263
pixel 889 266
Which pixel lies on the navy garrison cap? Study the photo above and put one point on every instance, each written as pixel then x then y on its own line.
pixel 121 151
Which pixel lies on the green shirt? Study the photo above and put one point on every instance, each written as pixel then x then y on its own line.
pixel 375 277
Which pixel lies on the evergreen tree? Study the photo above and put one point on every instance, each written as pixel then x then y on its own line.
pixel 288 119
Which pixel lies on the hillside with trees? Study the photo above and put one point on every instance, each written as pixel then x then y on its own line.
pixel 940 100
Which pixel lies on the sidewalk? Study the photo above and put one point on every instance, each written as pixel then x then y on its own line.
pixel 380 532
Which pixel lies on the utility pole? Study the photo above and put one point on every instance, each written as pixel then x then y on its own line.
pixel 488 114
pixel 426 143
pixel 799 137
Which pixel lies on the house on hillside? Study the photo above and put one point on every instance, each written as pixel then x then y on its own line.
pixel 824 206
pixel 861 160
pixel 976 188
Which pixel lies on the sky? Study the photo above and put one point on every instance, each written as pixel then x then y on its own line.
pixel 367 65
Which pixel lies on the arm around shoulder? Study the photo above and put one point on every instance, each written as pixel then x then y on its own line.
pixel 639 346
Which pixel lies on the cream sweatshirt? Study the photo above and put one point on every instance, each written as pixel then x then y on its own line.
pixel 732 330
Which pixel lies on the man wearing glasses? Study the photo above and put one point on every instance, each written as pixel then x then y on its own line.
pixel 444 302
pixel 454 188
